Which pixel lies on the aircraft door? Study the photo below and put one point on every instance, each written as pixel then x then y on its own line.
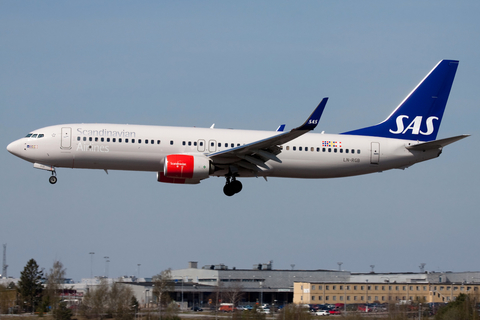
pixel 212 145
pixel 66 142
pixel 375 153
pixel 201 145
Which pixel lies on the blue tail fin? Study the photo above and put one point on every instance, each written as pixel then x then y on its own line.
pixel 418 117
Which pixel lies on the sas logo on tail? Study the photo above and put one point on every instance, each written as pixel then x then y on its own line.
pixel 414 125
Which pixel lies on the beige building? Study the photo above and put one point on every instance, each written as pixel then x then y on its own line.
pixel 382 292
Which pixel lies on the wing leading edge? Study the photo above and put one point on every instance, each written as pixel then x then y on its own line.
pixel 253 156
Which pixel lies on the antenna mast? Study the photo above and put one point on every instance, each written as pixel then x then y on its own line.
pixel 5 265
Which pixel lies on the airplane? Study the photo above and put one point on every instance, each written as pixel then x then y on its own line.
pixel 183 155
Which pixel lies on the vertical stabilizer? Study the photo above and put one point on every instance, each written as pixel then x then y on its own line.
pixel 419 115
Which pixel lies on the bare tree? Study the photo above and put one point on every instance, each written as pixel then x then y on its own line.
pixel 55 279
pixel 108 301
pixel 162 285
pixel 119 300
pixel 233 293
pixel 94 303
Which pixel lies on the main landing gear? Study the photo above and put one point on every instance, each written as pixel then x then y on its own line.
pixel 53 177
pixel 232 186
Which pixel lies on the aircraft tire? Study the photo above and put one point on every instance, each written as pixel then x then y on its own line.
pixel 236 186
pixel 228 190
pixel 52 179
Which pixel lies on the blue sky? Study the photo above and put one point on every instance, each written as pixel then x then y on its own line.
pixel 246 65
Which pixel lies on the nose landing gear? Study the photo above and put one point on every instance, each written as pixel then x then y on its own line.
pixel 232 186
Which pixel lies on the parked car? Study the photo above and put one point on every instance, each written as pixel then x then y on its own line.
pixel 334 311
pixel 196 308
pixel 322 313
pixel 226 307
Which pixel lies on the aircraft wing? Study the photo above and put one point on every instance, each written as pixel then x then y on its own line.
pixel 254 155
pixel 437 144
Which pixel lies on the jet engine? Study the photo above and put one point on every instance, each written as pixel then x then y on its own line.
pixel 183 168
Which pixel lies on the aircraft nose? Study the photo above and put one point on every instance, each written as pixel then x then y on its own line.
pixel 13 148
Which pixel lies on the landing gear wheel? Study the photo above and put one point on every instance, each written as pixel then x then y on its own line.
pixel 236 186
pixel 228 190
pixel 52 179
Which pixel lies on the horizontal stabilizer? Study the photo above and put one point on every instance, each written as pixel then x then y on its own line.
pixel 437 144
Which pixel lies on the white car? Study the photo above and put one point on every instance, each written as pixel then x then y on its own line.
pixel 322 313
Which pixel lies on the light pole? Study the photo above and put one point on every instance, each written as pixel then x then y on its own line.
pixel 106 266
pixel 261 293
pixel 91 264
pixel 146 298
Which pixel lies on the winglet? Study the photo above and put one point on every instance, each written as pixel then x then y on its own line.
pixel 312 121
pixel 281 128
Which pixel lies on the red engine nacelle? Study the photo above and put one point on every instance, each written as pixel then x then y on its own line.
pixel 182 168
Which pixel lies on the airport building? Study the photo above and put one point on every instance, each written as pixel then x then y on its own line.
pixel 263 284
pixel 389 288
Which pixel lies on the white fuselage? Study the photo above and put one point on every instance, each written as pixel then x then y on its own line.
pixel 143 148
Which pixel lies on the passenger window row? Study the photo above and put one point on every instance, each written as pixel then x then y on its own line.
pixel 212 144
pixel 318 149
pixel 119 140
pixel 151 141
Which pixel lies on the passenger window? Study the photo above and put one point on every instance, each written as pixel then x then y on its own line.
pixel 329 149
pixel 84 138
pixel 201 143
pixel 232 145
pixel 312 149
pixel 299 148
pixel 119 140
pixel 133 140
pixel 96 139
pixel 78 138
pixel 238 144
pixel 113 140
pixel 146 141
pixel 318 149
pixel 40 135
pixel 139 140
pixel 346 150
pixel 189 143
pixel 158 141
pixel 353 151
pixel 90 139
pixel 323 149
pixel 102 139
pixel 126 140
pixel 184 143
pixel 219 145
pixel 194 143
pixel 171 142
pixel 335 150
pixel 358 151
pixel 306 148
pixel 108 139
pixel 294 148
pixel 152 142
pixel 288 147
pixel 341 150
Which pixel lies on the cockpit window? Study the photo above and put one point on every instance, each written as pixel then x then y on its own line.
pixel 28 135
pixel 40 135
pixel 34 136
